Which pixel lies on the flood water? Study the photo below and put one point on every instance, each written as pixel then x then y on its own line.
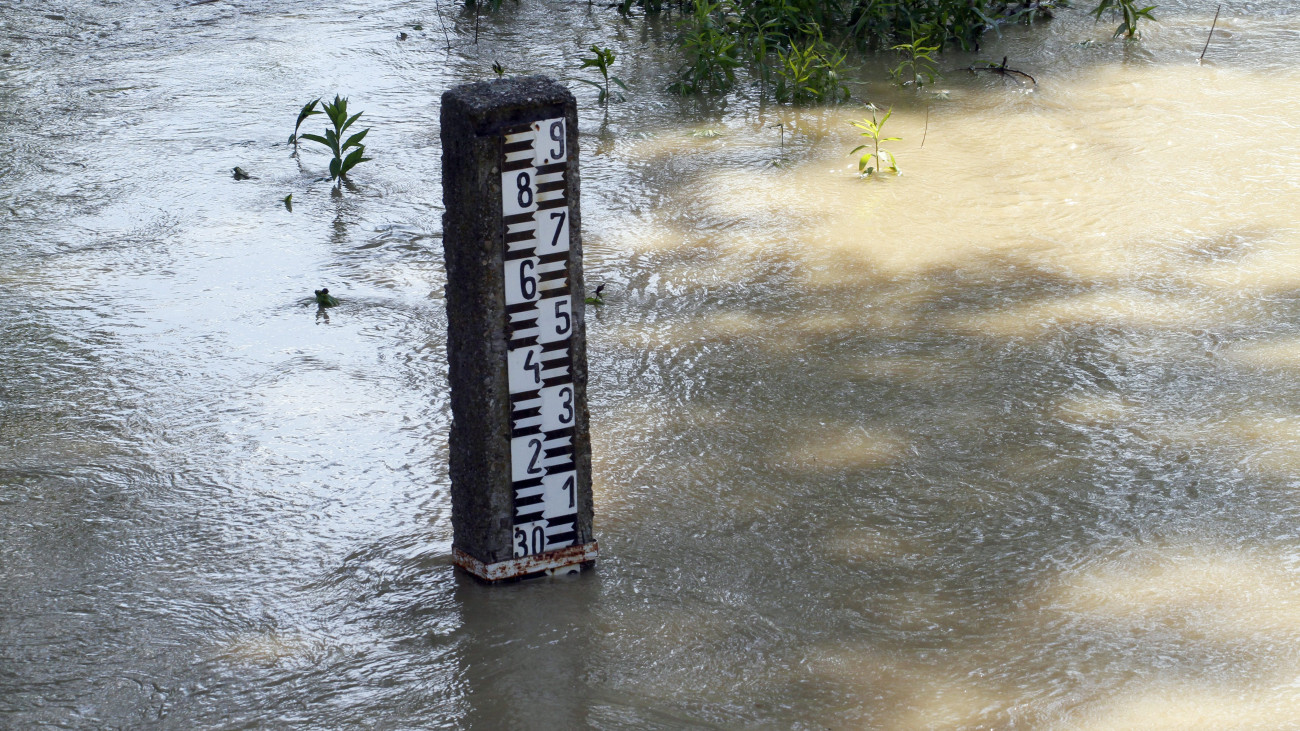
pixel 1006 441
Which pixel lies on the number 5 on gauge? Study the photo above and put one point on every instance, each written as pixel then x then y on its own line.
pixel 554 319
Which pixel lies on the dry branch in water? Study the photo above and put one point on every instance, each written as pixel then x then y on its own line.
pixel 994 68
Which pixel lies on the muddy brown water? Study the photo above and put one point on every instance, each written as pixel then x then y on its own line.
pixel 1007 441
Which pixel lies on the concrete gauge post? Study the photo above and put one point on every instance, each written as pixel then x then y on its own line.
pixel 520 453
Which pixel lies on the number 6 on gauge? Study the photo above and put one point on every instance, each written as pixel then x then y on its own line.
pixel 521 281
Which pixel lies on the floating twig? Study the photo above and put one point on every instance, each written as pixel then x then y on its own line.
pixel 1002 70
pixel 927 127
pixel 1211 35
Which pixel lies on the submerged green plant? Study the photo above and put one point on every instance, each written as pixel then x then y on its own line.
pixel 711 50
pixel 325 299
pixel 337 112
pixel 918 66
pixel 1130 14
pixel 601 59
pixel 872 129
pixel 810 72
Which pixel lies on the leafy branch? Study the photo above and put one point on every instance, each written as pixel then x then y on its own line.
pixel 601 59
pixel 343 161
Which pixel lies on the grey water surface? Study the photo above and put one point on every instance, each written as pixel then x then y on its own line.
pixel 1005 441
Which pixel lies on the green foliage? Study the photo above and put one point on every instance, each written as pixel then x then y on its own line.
pixel 711 52
pixel 498 69
pixel 601 59
pixel 343 161
pixel 917 66
pixel 872 129
pixel 1130 14
pixel 718 37
pixel 325 299
pixel 810 72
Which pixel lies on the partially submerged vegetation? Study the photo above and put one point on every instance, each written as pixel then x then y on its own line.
pixel 786 43
pixel 795 50
pixel 1129 14
pixel 602 59
pixel 333 139
pixel 872 129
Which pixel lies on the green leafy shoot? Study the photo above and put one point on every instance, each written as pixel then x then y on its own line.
pixel 601 59
pixel 1130 15
pixel 872 130
pixel 918 66
pixel 325 299
pixel 343 161
pixel 711 50
pixel 810 72
pixel 308 109
pixel 498 69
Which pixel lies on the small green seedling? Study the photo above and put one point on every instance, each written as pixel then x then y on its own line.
pixel 498 69
pixel 337 112
pixel 325 299
pixel 595 298
pixel 871 129
pixel 308 109
pixel 288 203
pixel 1130 15
pixel 918 66
pixel 601 60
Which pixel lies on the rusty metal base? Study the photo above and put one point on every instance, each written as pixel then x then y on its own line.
pixel 563 561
